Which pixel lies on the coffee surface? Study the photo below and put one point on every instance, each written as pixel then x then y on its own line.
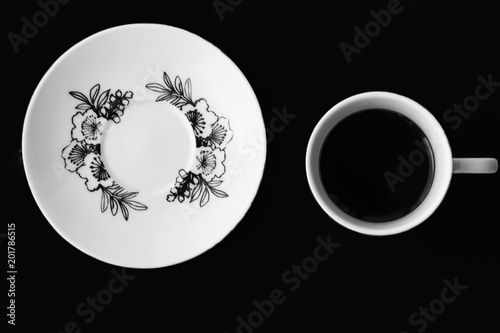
pixel 376 165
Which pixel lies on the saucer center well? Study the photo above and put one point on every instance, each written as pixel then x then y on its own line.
pixel 147 148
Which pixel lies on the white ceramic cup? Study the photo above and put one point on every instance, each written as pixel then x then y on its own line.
pixel 444 164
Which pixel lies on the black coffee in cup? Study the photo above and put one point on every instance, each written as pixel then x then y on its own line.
pixel 376 165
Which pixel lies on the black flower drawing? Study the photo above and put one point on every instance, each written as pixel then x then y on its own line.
pixel 83 155
pixel 212 134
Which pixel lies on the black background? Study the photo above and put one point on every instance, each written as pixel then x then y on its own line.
pixel 432 52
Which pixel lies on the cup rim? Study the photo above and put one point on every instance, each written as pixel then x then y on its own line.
pixel 412 110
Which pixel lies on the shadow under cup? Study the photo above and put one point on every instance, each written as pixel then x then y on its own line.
pixel 376 165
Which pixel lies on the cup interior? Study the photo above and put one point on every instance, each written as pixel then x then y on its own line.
pixel 411 110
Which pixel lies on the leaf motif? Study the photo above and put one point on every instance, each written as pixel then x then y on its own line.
pixel 187 87
pixel 205 197
pixel 214 183
pixel 78 95
pixel 83 106
pixel 113 187
pixel 115 196
pixel 130 195
pixel 119 192
pixel 114 205
pixel 136 205
pixel 174 100
pixel 94 91
pixel 178 85
pixel 196 192
pixel 103 98
pixel 124 211
pixel 163 97
pixel 167 81
pixel 218 193
pixel 156 87
pixel 178 101
pixel 104 201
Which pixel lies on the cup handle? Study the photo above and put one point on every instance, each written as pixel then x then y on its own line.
pixel 475 165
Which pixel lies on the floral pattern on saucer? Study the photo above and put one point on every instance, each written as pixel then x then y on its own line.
pixel 212 134
pixel 83 154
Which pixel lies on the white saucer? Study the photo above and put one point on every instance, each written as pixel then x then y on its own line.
pixel 139 145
